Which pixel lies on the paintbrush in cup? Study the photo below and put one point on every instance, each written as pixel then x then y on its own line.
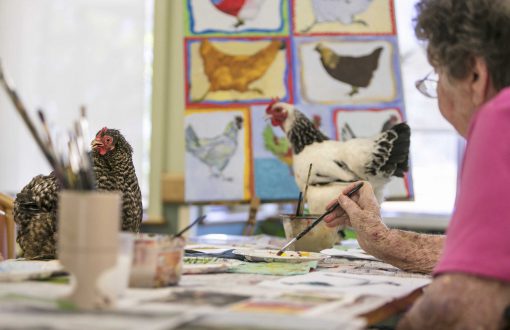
pixel 300 199
pixel 302 205
pixel 319 219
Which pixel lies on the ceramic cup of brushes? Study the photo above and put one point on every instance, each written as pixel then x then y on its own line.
pixel 319 238
pixel 88 245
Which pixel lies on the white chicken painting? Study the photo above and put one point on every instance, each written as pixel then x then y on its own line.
pixel 210 16
pixel 217 162
pixel 343 16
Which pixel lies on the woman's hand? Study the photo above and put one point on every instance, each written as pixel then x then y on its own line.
pixel 361 212
pixel 406 250
pixel 460 301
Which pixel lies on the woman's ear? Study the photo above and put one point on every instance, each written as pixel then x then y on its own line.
pixel 481 85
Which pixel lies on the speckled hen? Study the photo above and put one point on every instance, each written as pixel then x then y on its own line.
pixel 35 207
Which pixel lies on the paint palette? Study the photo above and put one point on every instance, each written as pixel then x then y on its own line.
pixel 13 270
pixel 287 256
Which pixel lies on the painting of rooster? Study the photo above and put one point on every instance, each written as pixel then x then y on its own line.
pixel 208 17
pixel 242 10
pixel 233 70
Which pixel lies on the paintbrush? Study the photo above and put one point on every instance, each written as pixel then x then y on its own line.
pixel 300 198
pixel 24 115
pixel 86 172
pixel 197 220
pixel 57 166
pixel 301 209
pixel 319 219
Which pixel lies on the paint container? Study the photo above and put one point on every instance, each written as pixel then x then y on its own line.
pixel 319 238
pixel 157 261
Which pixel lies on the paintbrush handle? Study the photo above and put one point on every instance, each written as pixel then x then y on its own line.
pixel 289 243
pixel 316 222
pixel 24 115
pixel 197 220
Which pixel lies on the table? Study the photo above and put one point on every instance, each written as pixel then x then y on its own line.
pixel 339 294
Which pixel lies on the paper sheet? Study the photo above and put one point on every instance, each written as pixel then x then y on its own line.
pixel 384 286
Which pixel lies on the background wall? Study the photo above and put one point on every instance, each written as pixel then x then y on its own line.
pixel 62 54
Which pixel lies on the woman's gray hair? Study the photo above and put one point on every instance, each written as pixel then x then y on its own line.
pixel 457 31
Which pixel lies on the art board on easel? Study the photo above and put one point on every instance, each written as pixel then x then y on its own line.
pixel 289 35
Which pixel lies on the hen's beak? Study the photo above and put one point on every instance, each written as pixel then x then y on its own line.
pixel 268 117
pixel 96 143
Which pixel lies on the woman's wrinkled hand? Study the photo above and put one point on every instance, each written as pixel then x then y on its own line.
pixel 361 212
pixel 362 205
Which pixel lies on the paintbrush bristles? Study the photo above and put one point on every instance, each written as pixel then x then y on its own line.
pixel 72 165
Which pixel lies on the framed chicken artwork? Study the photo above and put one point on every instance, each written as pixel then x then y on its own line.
pixel 335 17
pixel 347 71
pixel 246 17
pixel 217 157
pixel 226 71
pixel 274 85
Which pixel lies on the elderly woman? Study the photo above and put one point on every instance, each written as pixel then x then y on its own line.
pixel 468 44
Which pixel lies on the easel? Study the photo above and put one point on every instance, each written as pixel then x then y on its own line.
pixel 251 223
pixel 173 192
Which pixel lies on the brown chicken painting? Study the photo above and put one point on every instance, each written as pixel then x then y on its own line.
pixel 354 71
pixel 228 72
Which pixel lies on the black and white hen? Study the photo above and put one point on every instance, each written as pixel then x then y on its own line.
pixel 336 163
pixel 35 207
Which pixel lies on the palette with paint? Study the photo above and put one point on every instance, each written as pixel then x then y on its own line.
pixel 287 256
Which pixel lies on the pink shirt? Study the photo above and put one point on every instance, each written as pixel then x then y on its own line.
pixel 478 238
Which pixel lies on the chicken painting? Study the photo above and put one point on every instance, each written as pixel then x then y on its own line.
pixel 35 207
pixel 279 146
pixel 236 72
pixel 242 10
pixel 354 71
pixel 336 163
pixel 341 11
pixel 217 151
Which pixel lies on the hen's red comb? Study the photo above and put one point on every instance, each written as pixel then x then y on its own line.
pixel 270 105
pixel 102 131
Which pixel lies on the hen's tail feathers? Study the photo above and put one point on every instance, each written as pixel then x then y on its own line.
pixel 192 140
pixel 391 155
pixel 398 162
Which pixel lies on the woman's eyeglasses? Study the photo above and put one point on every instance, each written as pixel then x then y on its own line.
pixel 428 85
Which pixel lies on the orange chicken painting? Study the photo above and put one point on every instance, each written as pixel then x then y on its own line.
pixel 227 72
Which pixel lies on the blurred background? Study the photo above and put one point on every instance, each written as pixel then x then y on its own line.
pixel 122 59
